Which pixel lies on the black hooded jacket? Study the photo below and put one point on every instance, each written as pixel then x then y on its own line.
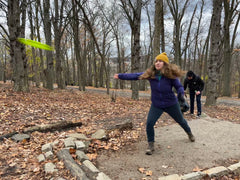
pixel 194 84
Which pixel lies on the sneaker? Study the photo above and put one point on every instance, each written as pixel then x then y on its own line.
pixel 198 115
pixel 150 148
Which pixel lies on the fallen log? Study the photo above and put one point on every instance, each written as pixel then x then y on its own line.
pixel 44 128
pixel 125 125
pixel 7 135
pixel 53 127
pixel 71 165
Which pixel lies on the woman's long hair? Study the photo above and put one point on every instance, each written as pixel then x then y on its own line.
pixel 170 71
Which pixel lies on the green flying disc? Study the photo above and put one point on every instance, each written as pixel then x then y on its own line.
pixel 35 44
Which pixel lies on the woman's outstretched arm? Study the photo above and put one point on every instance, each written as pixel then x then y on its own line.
pixel 128 76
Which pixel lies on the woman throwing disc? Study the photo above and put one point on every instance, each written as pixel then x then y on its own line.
pixel 162 77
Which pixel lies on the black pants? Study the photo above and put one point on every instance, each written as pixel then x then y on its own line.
pixel 198 98
pixel 154 114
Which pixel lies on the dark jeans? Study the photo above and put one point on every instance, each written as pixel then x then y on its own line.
pixel 154 114
pixel 198 97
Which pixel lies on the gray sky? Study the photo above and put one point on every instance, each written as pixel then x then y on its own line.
pixel 168 23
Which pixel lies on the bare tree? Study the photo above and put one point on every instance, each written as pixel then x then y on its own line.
pixel 60 22
pixel 197 41
pixel 159 28
pixel 133 15
pixel 177 16
pixel 102 52
pixel 236 58
pixel 3 61
pixel 214 60
pixel 38 9
pixel 49 72
pixel 36 75
pixel 187 44
pixel 76 30
pixel 230 13
pixel 114 18
pixel 16 25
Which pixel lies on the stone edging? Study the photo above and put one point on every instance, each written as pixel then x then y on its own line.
pixel 86 169
pixel 212 172
pixel 73 141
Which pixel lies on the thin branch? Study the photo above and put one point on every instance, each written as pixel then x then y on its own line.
pixel 5 31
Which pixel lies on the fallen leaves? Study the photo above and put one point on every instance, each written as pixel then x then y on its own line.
pixel 149 173
pixel 224 112
pixel 145 171
pixel 72 151
pixel 41 106
pixel 92 156
pixel 141 170
pixel 197 169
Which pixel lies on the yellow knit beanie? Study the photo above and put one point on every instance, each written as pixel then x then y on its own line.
pixel 163 57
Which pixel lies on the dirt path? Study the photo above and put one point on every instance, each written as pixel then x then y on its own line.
pixel 216 142
pixel 142 94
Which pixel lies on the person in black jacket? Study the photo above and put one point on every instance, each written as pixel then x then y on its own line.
pixel 195 85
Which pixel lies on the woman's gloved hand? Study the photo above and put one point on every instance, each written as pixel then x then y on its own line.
pixel 181 98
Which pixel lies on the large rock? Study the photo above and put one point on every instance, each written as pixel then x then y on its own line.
pixel 47 147
pixel 81 156
pixel 170 177
pixel 49 155
pixel 90 166
pixel 193 176
pixel 20 137
pixel 80 145
pixel 99 134
pixel 235 168
pixel 69 142
pixel 102 176
pixel 217 171
pixel 50 168
pixel 41 158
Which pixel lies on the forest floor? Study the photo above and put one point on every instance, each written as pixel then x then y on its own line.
pixel 95 110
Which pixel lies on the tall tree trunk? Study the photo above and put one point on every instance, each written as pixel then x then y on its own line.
pixel 5 66
pixel 205 63
pixel 73 64
pixel 16 27
pixel 42 65
pixel 90 66
pixel 239 78
pixel 227 51
pixel 162 27
pixel 95 69
pixel 157 27
pixel 58 31
pixel 35 63
pixel 177 44
pixel 2 64
pixel 135 55
pixel 213 66
pixel 84 60
pixel 77 47
pixel 133 12
pixel 68 78
pixel 48 35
